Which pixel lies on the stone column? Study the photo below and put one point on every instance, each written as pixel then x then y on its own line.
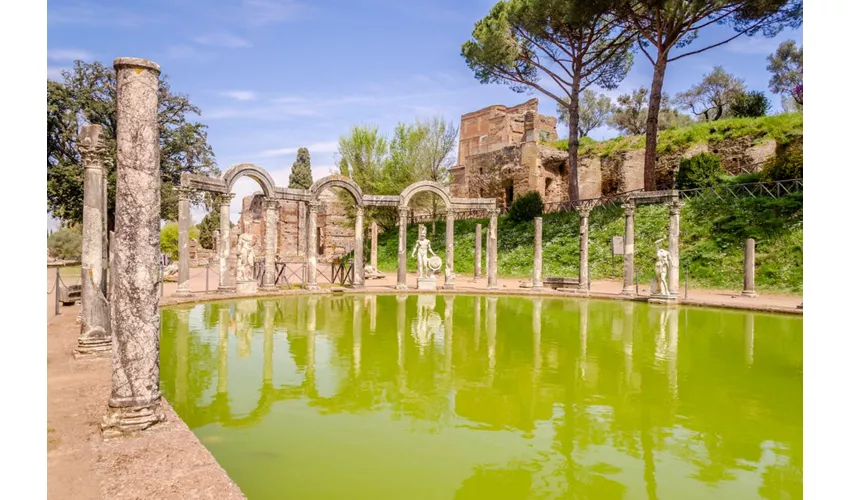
pixel 450 245
pixel 629 251
pixel 359 278
pixel 673 276
pixel 584 216
pixel 537 272
pixel 373 256
pixel 95 338
pixel 104 282
pixel 271 206
pixel 477 274
pixel 750 269
pixel 492 257
pixel 225 281
pixel 184 220
pixel 134 403
pixel 312 276
pixel 401 274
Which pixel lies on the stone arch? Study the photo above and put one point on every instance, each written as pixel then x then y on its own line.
pixel 253 171
pixel 336 181
pixel 418 187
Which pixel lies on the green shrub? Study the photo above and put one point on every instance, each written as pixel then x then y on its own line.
pixel 698 171
pixel 788 162
pixel 526 207
pixel 66 243
pixel 750 105
pixel 209 224
pixel 168 240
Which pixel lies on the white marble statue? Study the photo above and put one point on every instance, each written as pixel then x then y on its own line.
pixel 450 274
pixel 245 249
pixel 663 262
pixel 420 251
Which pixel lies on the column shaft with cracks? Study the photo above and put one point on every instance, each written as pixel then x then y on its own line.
pixel 184 220
pixel 359 277
pixel 401 274
pixel 270 243
pixel 477 272
pixel 225 280
pixel 492 252
pixel 135 399
pixel 629 251
pixel 537 271
pixel 312 275
pixel 450 247
pixel 673 248
pixel 583 271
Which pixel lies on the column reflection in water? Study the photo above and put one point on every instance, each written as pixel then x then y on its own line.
pixel 628 339
pixel 223 347
pixel 181 386
pixel 491 338
pixel 357 333
pixel 447 337
pixel 268 342
pixel 244 331
pixel 310 375
pixel 673 353
pixel 401 303
pixel 373 312
pixel 477 323
pixel 749 336
pixel 582 311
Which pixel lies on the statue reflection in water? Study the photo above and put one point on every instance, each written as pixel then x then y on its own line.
pixel 427 325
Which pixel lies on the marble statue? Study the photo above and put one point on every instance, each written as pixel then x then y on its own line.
pixel 370 272
pixel 450 275
pixel 420 251
pixel 245 248
pixel 663 263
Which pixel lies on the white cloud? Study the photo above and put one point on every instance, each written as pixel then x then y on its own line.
pixel 69 55
pixel 240 95
pixel 753 45
pixel 181 52
pixel 223 39
pixel 89 14
pixel 55 73
pixel 319 147
pixel 271 11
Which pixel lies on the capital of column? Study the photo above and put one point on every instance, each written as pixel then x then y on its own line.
pixel 270 204
pixel 493 212
pixel 584 210
pixel 450 212
pixel 675 207
pixel 225 198
pixel 359 212
pixel 184 193
pixel 92 147
pixel 629 207
pixel 313 205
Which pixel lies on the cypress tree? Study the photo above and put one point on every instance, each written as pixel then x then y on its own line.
pixel 301 176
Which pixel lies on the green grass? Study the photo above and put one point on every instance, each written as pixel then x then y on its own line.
pixel 778 127
pixel 712 235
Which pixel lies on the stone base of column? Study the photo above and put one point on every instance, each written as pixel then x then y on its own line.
pixel 629 292
pixel 357 285
pixel 311 288
pixel 93 344
pixel 266 287
pixel 246 287
pixel 183 292
pixel 129 420
pixel 492 287
pixel 401 287
pixel 580 292
pixel 449 286
pixel 657 298
pixel 749 294
pixel 226 289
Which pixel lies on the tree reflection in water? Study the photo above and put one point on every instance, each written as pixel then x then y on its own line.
pixel 584 397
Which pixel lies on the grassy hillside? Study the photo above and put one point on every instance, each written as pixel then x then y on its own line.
pixel 712 235
pixel 777 127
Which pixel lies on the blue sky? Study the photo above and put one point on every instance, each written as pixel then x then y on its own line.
pixel 273 75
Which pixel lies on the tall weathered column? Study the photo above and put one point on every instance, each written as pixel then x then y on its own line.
pixel 629 251
pixel 95 338
pixel 134 403
pixel 537 271
pixel 450 247
pixel 359 277
pixel 373 256
pixel 225 281
pixel 492 252
pixel 673 276
pixel 270 206
pixel 105 281
pixel 750 269
pixel 312 276
pixel 477 272
pixel 584 216
pixel 184 220
pixel 401 274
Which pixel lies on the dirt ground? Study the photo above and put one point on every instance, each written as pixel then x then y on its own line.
pixel 168 461
pixel 164 462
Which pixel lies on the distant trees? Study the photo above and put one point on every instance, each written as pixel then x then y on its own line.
pixel 594 110
pixel 786 68
pixel 666 25
pixel 86 94
pixel 711 99
pixel 301 175
pixel 750 104
pixel 630 114
pixel 66 243
pixel 416 151
pixel 206 229
pixel 574 43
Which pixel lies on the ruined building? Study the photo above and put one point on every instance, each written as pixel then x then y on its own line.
pixel 503 154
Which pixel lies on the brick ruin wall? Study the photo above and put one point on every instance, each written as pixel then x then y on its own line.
pixel 531 165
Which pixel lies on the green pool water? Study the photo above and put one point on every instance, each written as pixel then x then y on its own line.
pixel 431 397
